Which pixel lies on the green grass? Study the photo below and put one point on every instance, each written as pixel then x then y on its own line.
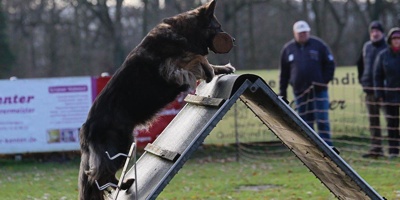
pixel 213 173
pixel 214 185
pixel 31 179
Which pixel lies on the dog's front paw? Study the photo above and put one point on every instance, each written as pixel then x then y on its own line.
pixel 224 69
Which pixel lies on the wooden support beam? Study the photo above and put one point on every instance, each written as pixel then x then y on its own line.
pixel 204 101
pixel 163 153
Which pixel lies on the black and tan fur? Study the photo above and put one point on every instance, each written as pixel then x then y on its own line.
pixel 168 61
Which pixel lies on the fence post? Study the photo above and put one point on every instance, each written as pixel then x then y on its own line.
pixel 236 132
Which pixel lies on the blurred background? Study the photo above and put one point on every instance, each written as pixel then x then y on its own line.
pixel 51 38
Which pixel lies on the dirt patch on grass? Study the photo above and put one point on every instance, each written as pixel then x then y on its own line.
pixel 257 188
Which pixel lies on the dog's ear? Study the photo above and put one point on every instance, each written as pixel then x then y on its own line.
pixel 210 7
pixel 171 21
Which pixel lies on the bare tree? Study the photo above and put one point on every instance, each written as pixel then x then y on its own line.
pixel 6 56
pixel 87 37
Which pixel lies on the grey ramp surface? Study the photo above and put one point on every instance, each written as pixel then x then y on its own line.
pixel 190 127
pixel 183 135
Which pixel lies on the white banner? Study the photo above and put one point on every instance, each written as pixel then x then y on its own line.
pixel 43 115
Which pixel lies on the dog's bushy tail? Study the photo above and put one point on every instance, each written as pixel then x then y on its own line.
pixel 88 189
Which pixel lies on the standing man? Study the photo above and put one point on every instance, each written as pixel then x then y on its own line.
pixel 387 87
pixel 307 65
pixel 370 50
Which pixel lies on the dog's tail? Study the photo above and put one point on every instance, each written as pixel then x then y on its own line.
pixel 88 189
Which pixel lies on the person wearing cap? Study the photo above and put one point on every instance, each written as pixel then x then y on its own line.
pixel 387 87
pixel 370 50
pixel 307 64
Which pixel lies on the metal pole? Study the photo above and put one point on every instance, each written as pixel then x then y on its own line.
pixel 236 132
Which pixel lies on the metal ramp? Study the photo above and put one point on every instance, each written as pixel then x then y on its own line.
pixel 165 156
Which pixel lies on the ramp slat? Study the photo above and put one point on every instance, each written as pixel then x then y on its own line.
pixel 204 101
pixel 163 153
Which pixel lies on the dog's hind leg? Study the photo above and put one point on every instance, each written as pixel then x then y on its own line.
pixel 112 161
pixel 87 188
pixel 127 184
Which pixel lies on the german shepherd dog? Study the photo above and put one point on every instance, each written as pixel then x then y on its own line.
pixel 168 61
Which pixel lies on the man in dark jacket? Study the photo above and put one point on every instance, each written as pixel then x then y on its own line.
pixel 387 87
pixel 308 65
pixel 365 69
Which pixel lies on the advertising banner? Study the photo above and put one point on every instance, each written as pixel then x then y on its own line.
pixel 43 115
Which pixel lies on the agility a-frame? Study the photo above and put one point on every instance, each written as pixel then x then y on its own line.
pixel 165 157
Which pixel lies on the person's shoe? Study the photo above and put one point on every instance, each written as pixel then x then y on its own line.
pixel 374 155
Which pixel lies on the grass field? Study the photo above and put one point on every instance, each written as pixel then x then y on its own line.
pixel 214 173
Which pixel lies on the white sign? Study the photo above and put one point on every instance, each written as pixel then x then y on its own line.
pixel 43 115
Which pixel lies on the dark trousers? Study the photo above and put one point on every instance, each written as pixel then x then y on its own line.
pixel 374 123
pixel 314 107
pixel 392 118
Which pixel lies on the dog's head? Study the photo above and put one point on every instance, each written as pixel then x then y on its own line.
pixel 200 27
